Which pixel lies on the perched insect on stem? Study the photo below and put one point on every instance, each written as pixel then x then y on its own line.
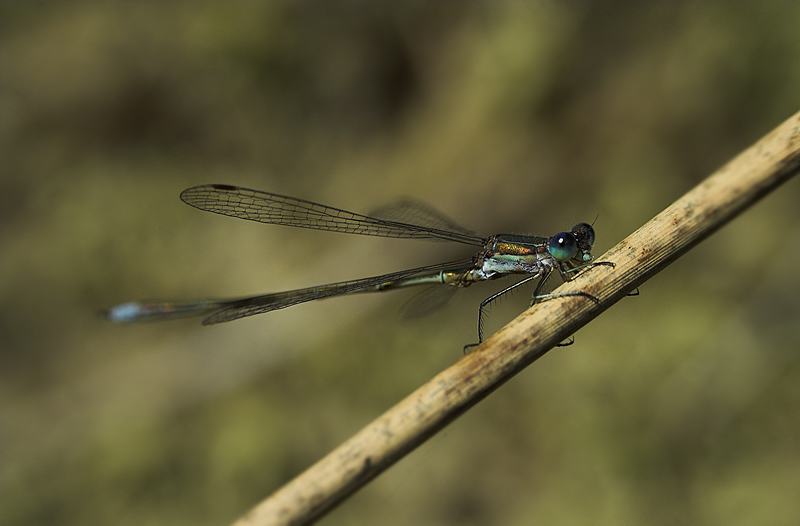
pixel 501 255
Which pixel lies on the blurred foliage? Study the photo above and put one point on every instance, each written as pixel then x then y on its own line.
pixel 677 406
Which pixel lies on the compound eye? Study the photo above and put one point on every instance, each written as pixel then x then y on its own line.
pixel 584 233
pixel 563 246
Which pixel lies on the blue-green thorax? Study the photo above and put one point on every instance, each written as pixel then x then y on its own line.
pixel 519 254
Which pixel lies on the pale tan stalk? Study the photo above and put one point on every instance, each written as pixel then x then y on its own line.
pixel 692 218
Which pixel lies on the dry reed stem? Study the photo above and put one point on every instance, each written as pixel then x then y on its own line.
pixel 692 218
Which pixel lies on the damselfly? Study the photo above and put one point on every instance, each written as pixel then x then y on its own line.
pixel 501 255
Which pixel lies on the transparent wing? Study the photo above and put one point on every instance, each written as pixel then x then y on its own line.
pixel 427 301
pixel 418 213
pixel 264 207
pixel 241 308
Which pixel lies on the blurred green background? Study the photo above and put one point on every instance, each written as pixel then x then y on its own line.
pixel 679 406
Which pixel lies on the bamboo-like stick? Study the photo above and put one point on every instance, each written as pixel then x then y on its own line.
pixel 696 215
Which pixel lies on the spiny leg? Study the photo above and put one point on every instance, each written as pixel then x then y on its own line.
pixel 568 273
pixel 536 296
pixel 552 295
pixel 565 273
pixel 568 277
pixel 485 303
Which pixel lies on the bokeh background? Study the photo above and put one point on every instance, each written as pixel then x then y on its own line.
pixel 679 406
